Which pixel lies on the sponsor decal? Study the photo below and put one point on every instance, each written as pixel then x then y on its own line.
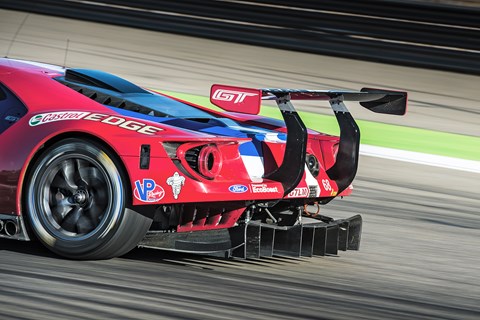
pixel 148 191
pixel 56 116
pixel 313 191
pixel 123 123
pixel 176 182
pixel 299 193
pixel 231 95
pixel 238 188
pixel 263 188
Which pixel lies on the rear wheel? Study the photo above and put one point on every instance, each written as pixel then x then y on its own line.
pixel 76 202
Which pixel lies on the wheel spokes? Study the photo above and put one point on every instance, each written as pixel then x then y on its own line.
pixel 67 171
pixel 81 165
pixel 78 196
pixel 60 206
pixel 92 177
pixel 97 209
pixel 85 224
pixel 60 184
pixel 70 221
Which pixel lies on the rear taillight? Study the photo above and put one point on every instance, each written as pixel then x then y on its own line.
pixel 200 159
pixel 209 161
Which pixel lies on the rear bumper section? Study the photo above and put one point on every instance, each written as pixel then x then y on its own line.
pixel 256 240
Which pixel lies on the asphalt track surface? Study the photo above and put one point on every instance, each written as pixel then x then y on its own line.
pixel 420 252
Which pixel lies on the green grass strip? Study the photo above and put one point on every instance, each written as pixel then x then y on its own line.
pixel 378 134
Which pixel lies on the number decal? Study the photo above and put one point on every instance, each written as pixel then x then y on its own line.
pixel 326 185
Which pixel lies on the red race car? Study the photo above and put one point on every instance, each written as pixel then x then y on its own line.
pixel 93 166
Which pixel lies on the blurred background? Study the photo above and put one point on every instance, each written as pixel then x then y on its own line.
pixel 417 188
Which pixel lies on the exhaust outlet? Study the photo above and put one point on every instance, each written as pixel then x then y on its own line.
pixel 1 225
pixel 11 228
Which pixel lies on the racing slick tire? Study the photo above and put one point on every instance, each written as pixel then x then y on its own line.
pixel 76 202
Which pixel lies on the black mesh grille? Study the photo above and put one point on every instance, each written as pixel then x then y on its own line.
pixel 191 156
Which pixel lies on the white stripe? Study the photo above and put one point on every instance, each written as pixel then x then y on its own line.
pixel 273 138
pixel 421 158
pixel 254 166
pixel 310 180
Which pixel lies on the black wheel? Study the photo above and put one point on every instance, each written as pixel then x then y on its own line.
pixel 76 203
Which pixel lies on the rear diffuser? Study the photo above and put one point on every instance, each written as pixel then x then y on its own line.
pixel 255 239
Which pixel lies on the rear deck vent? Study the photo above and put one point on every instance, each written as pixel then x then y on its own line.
pixel 100 79
pixel 109 98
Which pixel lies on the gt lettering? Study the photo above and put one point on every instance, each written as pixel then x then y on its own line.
pixel 230 95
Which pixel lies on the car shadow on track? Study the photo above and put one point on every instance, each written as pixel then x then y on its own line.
pixel 204 261
pixel 35 248
pixel 26 247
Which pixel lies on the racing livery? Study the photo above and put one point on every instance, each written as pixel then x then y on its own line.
pixel 93 166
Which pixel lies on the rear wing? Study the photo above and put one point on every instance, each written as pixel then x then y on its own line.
pixel 246 100
pixel 376 100
pixel 291 171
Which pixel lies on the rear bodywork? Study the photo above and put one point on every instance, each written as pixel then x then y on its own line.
pixel 232 182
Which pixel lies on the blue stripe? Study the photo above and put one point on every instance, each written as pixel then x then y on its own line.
pixel 249 149
pixel 214 126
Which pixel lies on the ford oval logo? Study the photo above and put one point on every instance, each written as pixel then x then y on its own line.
pixel 238 188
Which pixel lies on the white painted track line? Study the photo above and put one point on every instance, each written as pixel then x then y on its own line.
pixel 421 158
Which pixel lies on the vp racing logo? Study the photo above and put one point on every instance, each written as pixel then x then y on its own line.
pixel 231 95
pixel 148 191
pixel 55 116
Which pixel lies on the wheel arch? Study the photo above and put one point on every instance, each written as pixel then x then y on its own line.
pixel 118 229
pixel 66 135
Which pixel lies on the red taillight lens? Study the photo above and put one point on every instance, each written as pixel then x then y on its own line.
pixel 209 161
